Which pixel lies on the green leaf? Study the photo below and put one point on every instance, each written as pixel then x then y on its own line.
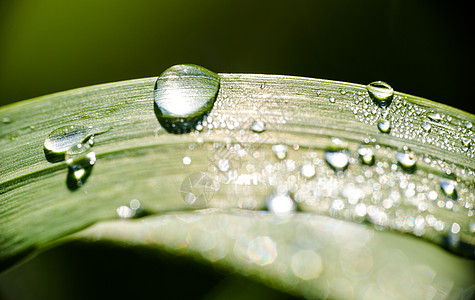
pixel 337 245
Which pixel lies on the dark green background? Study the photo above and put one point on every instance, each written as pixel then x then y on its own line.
pixel 419 47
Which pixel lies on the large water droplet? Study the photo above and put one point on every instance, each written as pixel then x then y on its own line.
pixel 381 93
pixel 384 126
pixel 63 138
pixel 80 159
pixel 184 94
pixel 281 204
pixel 407 160
pixel 280 151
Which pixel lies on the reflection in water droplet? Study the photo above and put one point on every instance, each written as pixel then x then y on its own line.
pixel 384 126
pixel 306 264
pixel 407 160
pixel 262 251
pixel 381 93
pixel 184 95
pixel 366 155
pixel 198 189
pixel 338 160
pixel 63 138
pixel 80 159
pixel 281 204
pixel 258 127
pixel 280 151
pixel 449 188
pixel 426 126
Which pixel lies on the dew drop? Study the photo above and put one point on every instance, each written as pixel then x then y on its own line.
pixel 80 159
pixel 331 99
pixel 63 138
pixel 258 126
pixel 125 212
pixel 338 160
pixel 407 160
pixel 467 124
pixel 381 93
pixel 434 116
pixel 184 95
pixel 449 188
pixel 336 155
pixel 281 204
pixel 466 141
pixel 366 155
pixel 280 151
pixel 426 126
pixel 6 120
pixel 186 160
pixel 384 126
pixel 307 170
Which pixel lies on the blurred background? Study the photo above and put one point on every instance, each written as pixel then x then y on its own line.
pixel 419 47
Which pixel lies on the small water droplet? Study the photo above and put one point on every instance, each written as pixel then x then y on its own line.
pixel 366 155
pixel 186 160
pixel 426 126
pixel 381 93
pixel 63 138
pixel 384 126
pixel 407 160
pixel 467 124
pixel 466 141
pixel 80 160
pixel 125 212
pixel 336 155
pixel 449 188
pixel 280 151
pixel 184 95
pixel 307 170
pixel 258 126
pixel 331 99
pixel 281 204
pixel 6 120
pixel 338 160
pixel 434 116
